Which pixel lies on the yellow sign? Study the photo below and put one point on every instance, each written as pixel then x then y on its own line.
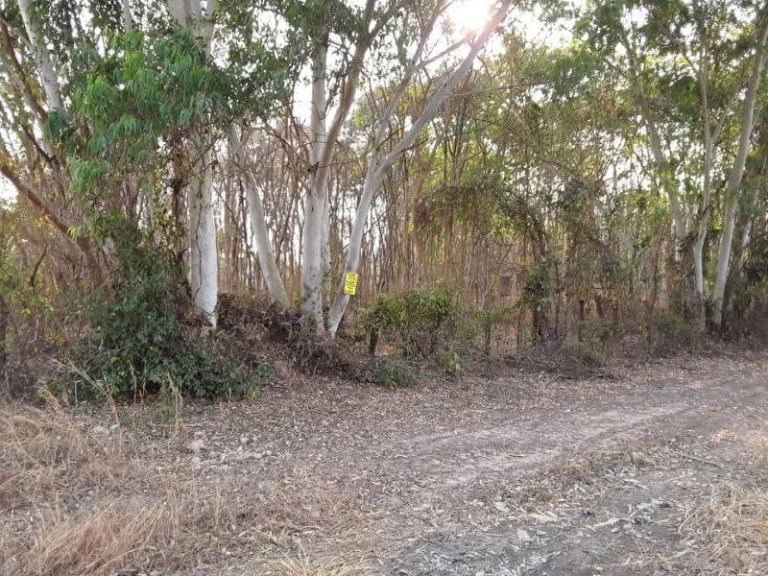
pixel 350 283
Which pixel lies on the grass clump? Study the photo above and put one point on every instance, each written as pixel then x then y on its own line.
pixel 391 373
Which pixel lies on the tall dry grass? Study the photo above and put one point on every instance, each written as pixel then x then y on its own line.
pixel 75 503
pixel 730 528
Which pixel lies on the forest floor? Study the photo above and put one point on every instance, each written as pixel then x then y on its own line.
pixel 660 470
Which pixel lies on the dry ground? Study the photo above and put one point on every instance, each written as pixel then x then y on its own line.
pixel 663 470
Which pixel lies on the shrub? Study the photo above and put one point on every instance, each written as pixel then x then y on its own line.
pixel 416 320
pixel 143 334
pixel 393 374
pixel 587 353
pixel 452 363
pixel 670 333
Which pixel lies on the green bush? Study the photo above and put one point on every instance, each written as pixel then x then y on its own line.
pixel 143 335
pixel 587 353
pixel 452 363
pixel 416 320
pixel 393 374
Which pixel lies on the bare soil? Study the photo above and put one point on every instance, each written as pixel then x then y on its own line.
pixel 662 470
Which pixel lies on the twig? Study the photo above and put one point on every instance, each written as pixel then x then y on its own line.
pixel 611 522
pixel 697 459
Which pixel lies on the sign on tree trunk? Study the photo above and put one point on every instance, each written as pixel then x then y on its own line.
pixel 350 283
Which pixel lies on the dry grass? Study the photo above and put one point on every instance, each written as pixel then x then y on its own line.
pixel 730 531
pixel 757 446
pixel 92 543
pixel 64 504
pixel 309 507
pixel 305 567
pixel 77 503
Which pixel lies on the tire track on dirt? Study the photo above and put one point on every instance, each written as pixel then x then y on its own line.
pixel 520 445
pixel 465 463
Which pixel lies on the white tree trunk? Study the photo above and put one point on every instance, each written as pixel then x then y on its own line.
pixel 737 173
pixel 262 245
pixel 47 74
pixel 325 236
pixel 202 238
pixel 316 198
pixel 376 171
pixel 710 138
pixel 127 16
pixel 204 266
pixel 701 234
pixel 666 179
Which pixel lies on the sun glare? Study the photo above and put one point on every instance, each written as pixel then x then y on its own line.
pixel 470 15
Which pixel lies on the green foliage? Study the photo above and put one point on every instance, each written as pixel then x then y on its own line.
pixel 538 285
pixel 539 290
pixel 428 315
pixel 139 342
pixel 386 315
pixel 416 319
pixel 141 108
pixel 452 363
pixel 139 103
pixel 391 373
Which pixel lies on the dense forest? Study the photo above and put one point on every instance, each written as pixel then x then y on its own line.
pixel 499 176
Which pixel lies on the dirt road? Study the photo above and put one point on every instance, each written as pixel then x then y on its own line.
pixel 518 476
pixel 663 470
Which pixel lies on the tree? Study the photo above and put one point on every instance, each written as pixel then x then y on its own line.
pixel 377 167
pixel 687 89
pixel 204 264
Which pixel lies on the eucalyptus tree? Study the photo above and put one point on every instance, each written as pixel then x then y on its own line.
pixel 204 268
pixel 733 191
pixel 134 104
pixel 309 28
pixel 345 44
pixel 379 164
pixel 692 70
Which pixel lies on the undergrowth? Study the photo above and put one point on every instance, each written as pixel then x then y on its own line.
pixel 146 338
pixel 392 373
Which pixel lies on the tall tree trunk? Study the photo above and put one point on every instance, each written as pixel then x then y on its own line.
pixel 204 269
pixel 127 16
pixel 706 202
pixel 737 172
pixel 275 286
pixel 48 77
pixel 316 199
pixel 376 170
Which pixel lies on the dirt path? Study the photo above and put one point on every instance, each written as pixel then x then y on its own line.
pixel 512 476
pixel 662 471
